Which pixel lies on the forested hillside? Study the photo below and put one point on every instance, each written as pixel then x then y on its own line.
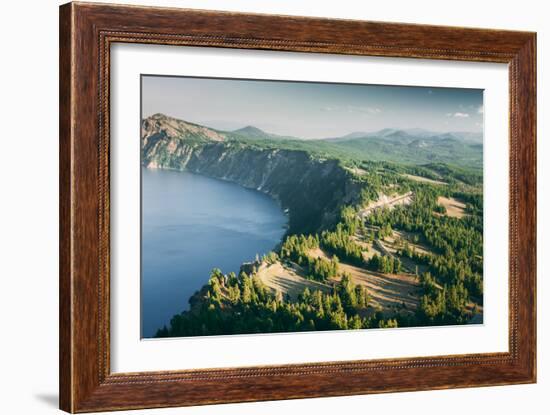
pixel 385 230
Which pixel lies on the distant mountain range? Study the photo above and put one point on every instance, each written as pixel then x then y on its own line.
pixel 410 146
pixel 411 134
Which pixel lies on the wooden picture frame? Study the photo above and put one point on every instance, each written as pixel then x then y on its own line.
pixel 86 33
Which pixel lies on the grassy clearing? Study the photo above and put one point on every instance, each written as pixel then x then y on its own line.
pixel 288 280
pixel 454 207
pixel 388 292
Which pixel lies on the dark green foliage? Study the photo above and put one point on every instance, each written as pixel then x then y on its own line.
pixel 321 269
pixel 456 265
pixel 385 264
pixel 458 243
pixel 450 173
pixel 443 305
pixel 339 242
pixel 296 247
pixel 244 305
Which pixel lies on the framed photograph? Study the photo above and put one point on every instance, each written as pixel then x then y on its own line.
pixel 260 207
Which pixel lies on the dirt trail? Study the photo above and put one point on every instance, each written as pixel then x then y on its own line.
pixel 386 202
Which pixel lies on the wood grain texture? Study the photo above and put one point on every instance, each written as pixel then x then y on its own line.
pixel 65 246
pixel 86 33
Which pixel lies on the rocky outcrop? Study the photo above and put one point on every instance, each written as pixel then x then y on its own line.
pixel 162 127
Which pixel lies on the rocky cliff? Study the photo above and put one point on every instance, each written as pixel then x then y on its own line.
pixel 312 189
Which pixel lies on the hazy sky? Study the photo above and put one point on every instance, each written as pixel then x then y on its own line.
pixel 311 110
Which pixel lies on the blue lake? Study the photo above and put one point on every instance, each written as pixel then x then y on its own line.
pixel 191 224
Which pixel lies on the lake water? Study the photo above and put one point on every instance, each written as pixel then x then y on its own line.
pixel 191 224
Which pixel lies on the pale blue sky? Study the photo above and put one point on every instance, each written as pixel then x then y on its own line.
pixel 311 110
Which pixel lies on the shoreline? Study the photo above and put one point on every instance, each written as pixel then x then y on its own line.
pixel 186 305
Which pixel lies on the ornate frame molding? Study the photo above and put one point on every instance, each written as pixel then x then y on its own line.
pixel 86 34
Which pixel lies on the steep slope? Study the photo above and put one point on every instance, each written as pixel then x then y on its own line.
pixel 312 189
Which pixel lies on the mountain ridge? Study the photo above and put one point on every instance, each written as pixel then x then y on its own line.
pixel 251 131
pixel 415 147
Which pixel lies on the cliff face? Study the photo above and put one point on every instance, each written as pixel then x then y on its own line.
pixel 160 126
pixel 313 190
